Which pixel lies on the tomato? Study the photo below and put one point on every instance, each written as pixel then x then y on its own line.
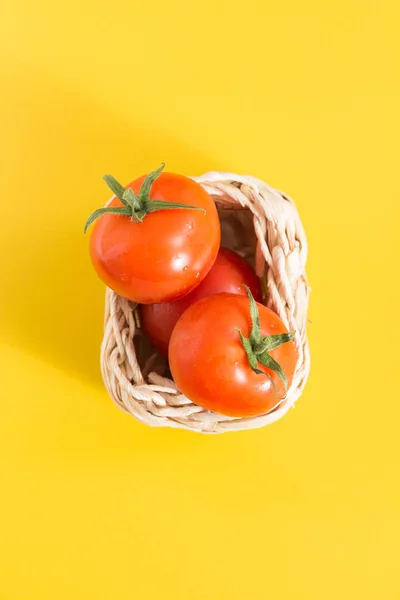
pixel 228 274
pixel 218 354
pixel 150 251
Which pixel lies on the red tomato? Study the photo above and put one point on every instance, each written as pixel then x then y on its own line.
pixel 168 253
pixel 210 364
pixel 228 274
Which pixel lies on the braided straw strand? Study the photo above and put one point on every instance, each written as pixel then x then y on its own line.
pixel 262 224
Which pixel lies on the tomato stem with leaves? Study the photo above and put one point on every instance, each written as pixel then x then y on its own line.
pixel 136 206
pixel 257 346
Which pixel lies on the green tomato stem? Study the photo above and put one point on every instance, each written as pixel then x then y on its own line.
pixel 136 206
pixel 257 346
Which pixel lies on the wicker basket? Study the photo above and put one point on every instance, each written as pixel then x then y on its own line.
pixel 261 224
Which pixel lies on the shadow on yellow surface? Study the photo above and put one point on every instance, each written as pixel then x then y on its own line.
pixel 52 303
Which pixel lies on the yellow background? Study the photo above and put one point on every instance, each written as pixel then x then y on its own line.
pixel 95 505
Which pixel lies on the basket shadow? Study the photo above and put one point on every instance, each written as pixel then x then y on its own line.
pixel 52 303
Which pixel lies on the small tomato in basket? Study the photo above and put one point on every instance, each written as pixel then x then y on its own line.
pixel 228 274
pixel 156 239
pixel 231 355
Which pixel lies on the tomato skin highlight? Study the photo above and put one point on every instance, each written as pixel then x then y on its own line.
pixel 210 366
pixel 165 256
pixel 228 274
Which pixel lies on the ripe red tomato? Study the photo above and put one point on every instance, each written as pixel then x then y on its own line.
pixel 218 354
pixel 151 251
pixel 228 274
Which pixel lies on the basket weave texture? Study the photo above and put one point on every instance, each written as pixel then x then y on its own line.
pixel 263 225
